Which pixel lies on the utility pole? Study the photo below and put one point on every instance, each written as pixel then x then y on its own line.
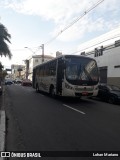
pixel 42 52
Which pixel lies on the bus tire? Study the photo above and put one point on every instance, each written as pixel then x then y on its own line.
pixel 111 100
pixel 52 92
pixel 37 88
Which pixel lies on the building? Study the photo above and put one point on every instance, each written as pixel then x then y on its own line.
pixel 18 71
pixel 34 61
pixel 108 60
pixel 105 49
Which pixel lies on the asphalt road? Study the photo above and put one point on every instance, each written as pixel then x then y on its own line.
pixel 36 122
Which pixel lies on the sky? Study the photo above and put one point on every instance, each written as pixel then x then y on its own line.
pixel 32 23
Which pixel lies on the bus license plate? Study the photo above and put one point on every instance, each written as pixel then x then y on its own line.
pixel 84 93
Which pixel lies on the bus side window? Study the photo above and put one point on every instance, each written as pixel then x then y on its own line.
pixel 53 68
pixel 47 70
pixel 52 71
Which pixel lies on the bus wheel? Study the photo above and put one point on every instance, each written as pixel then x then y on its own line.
pixel 52 92
pixel 37 88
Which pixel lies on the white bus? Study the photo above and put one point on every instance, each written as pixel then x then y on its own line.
pixel 67 75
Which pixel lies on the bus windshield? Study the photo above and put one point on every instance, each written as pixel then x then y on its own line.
pixel 81 70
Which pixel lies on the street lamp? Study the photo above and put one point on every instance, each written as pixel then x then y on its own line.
pixel 30 50
pixel 42 47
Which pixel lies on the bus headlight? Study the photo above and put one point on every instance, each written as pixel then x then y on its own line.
pixel 96 88
pixel 68 86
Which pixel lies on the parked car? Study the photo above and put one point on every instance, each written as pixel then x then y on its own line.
pixel 109 93
pixel 26 82
pixel 8 82
pixel 18 82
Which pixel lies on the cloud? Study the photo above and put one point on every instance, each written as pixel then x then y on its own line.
pixel 56 10
pixel 64 12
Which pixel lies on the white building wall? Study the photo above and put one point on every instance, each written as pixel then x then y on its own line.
pixel 109 59
pixel 30 65
pixel 36 61
pixel 112 57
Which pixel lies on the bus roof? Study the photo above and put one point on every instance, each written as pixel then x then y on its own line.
pixel 60 57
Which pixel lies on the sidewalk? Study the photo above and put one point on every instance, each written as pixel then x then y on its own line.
pixel 2 121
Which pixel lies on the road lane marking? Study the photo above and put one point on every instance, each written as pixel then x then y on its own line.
pixel 42 95
pixel 74 109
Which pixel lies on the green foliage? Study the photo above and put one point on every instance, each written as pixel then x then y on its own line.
pixel 3 72
pixel 1 66
pixel 4 37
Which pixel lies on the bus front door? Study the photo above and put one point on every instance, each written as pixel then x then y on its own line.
pixel 60 76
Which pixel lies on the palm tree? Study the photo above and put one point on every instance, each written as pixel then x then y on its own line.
pixel 1 72
pixel 4 36
pixel 1 66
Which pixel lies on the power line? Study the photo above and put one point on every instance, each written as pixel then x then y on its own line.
pixel 71 24
pixel 96 44
pixel 22 49
pixel 68 26
pixel 76 20
pixel 75 51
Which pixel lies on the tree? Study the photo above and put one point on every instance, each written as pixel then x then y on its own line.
pixel 1 66
pixel 4 36
pixel 3 73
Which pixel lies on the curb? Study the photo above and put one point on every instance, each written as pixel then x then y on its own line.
pixel 2 130
pixel 2 125
pixel 2 133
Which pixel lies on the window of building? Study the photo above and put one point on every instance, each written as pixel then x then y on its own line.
pixel 98 52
